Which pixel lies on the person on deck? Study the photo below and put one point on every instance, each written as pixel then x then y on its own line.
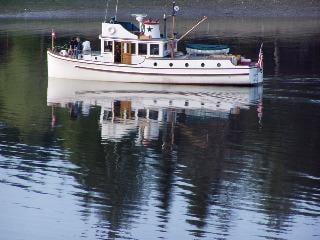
pixel 72 46
pixel 78 47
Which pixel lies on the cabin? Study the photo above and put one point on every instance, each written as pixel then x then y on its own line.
pixel 124 43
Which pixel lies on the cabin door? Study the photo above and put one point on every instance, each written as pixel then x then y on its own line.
pixel 117 52
pixel 122 52
pixel 126 53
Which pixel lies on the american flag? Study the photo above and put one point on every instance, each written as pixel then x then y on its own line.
pixel 260 60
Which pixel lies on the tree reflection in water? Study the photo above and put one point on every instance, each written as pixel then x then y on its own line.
pixel 147 135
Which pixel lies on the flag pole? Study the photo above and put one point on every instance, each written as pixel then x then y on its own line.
pixel 260 58
pixel 52 39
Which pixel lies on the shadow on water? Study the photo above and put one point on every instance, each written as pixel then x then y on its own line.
pixel 134 161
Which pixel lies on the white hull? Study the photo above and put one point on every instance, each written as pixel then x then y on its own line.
pixel 65 67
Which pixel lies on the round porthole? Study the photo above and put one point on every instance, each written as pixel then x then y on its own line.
pixel 155 64
pixel 187 64
pixel 111 30
pixel 171 64
pixel 219 65
pixel 203 65
pixel 96 58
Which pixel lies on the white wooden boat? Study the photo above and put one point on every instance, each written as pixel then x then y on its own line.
pixel 143 55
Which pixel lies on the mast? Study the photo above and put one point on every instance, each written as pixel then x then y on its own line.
pixel 175 9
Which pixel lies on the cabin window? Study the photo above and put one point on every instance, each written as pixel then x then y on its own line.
pixel 219 65
pixel 155 64
pixel 171 64
pixel 133 48
pixel 143 49
pixel 128 48
pixel 108 46
pixel 187 64
pixel 154 49
pixel 203 65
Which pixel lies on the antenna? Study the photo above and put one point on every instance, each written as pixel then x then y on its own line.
pixel 115 17
pixel 106 15
pixel 165 26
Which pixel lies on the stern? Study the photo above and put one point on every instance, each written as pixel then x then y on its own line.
pixel 256 75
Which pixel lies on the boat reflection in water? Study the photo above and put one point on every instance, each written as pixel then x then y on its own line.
pixel 128 107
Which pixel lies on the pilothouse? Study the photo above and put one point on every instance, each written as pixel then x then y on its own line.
pixel 140 52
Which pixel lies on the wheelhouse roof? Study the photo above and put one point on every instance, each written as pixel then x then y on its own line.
pixel 129 26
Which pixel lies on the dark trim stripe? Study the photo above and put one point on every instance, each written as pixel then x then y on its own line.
pixel 166 74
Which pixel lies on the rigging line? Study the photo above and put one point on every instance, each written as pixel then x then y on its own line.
pixel 106 15
pixel 116 10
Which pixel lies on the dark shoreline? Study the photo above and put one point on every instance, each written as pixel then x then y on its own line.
pixel 211 8
pixel 243 27
pixel 99 14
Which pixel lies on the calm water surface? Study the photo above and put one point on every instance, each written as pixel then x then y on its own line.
pixel 128 161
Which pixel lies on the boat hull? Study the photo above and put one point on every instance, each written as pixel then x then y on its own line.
pixel 65 67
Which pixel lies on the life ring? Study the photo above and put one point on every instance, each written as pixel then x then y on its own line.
pixel 111 30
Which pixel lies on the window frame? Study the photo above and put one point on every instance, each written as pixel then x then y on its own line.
pixel 139 49
pixel 133 47
pixel 157 49
pixel 109 46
